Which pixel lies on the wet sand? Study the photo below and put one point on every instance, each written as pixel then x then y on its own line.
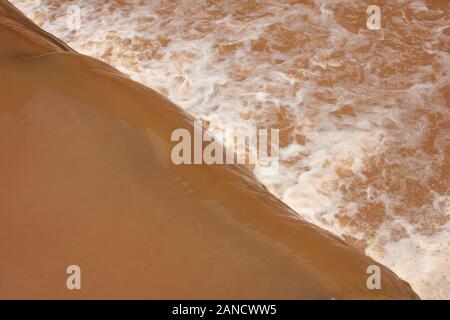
pixel 86 179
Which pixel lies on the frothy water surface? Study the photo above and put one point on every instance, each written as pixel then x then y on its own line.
pixel 363 114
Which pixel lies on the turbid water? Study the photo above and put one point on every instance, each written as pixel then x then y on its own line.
pixel 86 179
pixel 363 113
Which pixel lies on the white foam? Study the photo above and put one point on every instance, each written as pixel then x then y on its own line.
pixel 297 66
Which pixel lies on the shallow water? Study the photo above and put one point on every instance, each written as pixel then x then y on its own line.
pixel 363 114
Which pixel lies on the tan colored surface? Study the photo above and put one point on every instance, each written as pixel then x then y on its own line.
pixel 86 179
pixel 364 114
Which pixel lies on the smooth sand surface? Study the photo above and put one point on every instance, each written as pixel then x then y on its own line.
pixel 86 179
